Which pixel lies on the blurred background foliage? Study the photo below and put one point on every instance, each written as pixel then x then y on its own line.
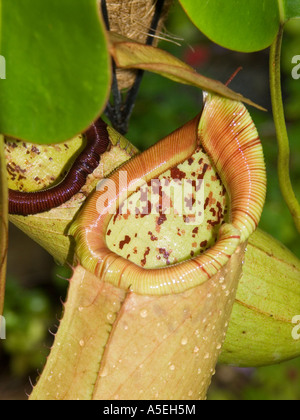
pixel 36 287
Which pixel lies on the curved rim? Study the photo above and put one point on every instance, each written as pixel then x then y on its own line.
pixel 229 136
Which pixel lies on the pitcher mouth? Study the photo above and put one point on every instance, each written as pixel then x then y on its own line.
pixel 228 135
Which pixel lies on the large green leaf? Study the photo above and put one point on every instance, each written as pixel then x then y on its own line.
pixel 57 68
pixel 291 9
pixel 267 300
pixel 241 25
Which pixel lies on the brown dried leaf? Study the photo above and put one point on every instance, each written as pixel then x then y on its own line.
pixel 128 54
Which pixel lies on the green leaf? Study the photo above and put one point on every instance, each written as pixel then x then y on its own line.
pixel 57 68
pixel 291 9
pixel 128 54
pixel 246 26
pixel 267 300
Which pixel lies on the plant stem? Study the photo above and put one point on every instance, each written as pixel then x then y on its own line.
pixel 120 111
pixel 113 112
pixel 281 129
pixel 3 223
pixel 132 94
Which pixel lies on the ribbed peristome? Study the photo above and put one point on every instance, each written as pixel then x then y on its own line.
pixel 228 135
